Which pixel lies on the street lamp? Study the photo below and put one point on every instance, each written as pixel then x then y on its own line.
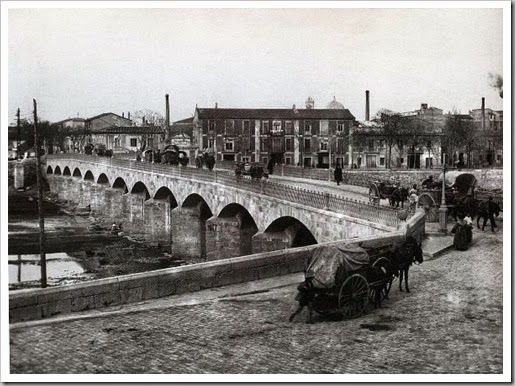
pixel 443 207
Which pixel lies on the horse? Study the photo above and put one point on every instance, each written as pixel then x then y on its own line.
pixel 403 256
pixel 482 212
pixel 399 195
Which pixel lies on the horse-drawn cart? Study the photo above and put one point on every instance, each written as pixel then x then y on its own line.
pixel 459 187
pixel 387 190
pixel 342 280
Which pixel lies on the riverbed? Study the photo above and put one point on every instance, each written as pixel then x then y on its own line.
pixel 79 245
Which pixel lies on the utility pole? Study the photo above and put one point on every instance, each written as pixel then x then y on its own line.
pixel 19 139
pixel 40 199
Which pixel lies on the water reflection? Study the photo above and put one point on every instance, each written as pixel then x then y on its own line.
pixel 25 268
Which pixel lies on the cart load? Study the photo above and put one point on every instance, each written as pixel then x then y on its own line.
pixel 330 264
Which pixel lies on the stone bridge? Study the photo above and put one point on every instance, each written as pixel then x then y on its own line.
pixel 213 214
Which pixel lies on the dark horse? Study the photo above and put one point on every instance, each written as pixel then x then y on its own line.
pixel 398 196
pixel 482 212
pixel 403 256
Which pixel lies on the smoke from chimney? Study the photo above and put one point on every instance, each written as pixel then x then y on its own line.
pixel 367 105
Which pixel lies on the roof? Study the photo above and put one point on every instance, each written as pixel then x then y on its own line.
pixel 182 126
pixel 129 130
pixel 103 115
pixel 334 104
pixel 70 119
pixel 290 114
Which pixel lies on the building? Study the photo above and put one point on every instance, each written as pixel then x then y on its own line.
pixel 125 139
pixel 407 140
pixel 490 125
pixel 104 120
pixel 309 137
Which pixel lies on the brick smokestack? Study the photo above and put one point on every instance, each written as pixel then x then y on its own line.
pixel 367 105
pixel 167 122
pixel 483 113
pixel 128 114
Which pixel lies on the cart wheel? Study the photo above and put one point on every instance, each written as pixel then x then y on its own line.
pixel 384 262
pixel 427 202
pixel 353 296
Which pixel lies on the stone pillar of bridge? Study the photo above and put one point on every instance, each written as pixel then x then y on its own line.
pixel 63 186
pixel 157 218
pixel 188 233
pixel 86 188
pixel 135 211
pixel 98 197
pixel 273 241
pixel 225 237
pixel 115 206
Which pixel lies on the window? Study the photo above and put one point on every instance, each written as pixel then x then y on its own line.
pixel 277 128
pixel 288 127
pixel 246 128
pixel 134 142
pixel 400 144
pixel 400 161
pixel 340 126
pixel 229 127
pixel 289 146
pixel 307 126
pixel 323 146
pixel 370 144
pixel 288 160
pixel 245 159
pixel 307 144
pixel 211 126
pixel 264 145
pixel 266 127
pixel 229 145
pixel 210 143
pixel 381 161
pixel 381 144
pixel 150 142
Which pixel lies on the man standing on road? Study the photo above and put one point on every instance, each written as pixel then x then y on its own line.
pixel 338 174
pixel 493 208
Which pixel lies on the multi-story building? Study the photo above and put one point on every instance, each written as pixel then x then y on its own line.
pixel 309 137
pixel 408 140
pixel 490 124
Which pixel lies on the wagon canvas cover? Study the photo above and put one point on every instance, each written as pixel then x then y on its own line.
pixel 326 260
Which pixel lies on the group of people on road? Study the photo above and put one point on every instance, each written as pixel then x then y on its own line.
pixel 117 229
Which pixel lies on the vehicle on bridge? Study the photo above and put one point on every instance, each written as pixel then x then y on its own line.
pixel 254 170
pixel 172 155
pixel 390 190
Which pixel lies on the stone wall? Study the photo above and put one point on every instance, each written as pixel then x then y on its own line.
pixel 32 304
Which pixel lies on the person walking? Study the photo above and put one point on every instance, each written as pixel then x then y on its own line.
pixel 338 174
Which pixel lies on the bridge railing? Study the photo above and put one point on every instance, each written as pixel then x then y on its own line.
pixel 319 200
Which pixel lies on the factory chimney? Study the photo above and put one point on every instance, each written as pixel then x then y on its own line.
pixel 367 105
pixel 167 121
pixel 483 113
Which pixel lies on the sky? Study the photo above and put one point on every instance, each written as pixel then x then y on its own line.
pixel 84 62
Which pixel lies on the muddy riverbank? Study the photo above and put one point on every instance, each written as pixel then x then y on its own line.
pixel 79 244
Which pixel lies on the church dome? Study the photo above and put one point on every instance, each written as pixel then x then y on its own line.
pixel 335 105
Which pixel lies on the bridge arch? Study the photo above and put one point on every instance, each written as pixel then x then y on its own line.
pixel 89 176
pixel 297 232
pixel 49 170
pixel 194 200
pixel 119 183
pixel 57 170
pixel 77 173
pixel 66 171
pixel 164 194
pixel 140 189
pixel 103 179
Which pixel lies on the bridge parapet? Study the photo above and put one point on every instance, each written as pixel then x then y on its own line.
pixel 319 200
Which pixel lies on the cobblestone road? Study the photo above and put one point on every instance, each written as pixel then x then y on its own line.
pixel 451 322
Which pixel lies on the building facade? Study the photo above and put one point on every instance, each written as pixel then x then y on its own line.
pixel 305 137
pixel 490 125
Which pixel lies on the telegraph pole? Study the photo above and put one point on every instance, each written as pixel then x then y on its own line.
pixel 40 199
pixel 18 139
